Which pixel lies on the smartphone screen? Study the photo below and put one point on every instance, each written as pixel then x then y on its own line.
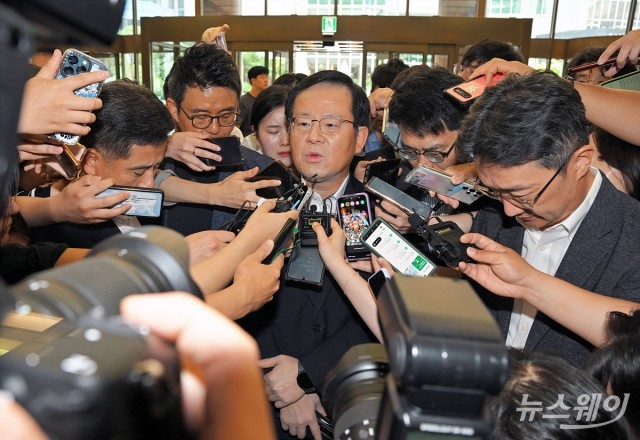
pixel 386 170
pixel 386 242
pixel 355 217
pixel 390 130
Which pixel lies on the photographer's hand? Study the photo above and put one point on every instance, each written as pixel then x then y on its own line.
pixel 224 384
pixel 188 147
pixel 498 65
pixel 629 51
pixel 296 417
pixel 16 423
pixel 281 382
pixel 210 34
pixel 49 105
pixel 497 268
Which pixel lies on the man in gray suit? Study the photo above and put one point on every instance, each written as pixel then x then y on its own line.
pixel 528 136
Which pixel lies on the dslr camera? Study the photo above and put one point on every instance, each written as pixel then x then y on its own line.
pixel 75 365
pixel 443 358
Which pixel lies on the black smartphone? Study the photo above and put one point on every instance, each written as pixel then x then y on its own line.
pixel 390 130
pixel 281 241
pixel 145 202
pixel 386 170
pixel 386 242
pixel 73 63
pixel 397 197
pixel 354 215
pixel 275 170
pixel 377 280
pixel 230 153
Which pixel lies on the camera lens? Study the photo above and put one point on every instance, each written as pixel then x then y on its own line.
pixel 67 71
pixel 73 59
pixel 353 390
pixel 149 259
pixel 81 69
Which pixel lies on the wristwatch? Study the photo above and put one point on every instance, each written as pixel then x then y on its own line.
pixel 304 381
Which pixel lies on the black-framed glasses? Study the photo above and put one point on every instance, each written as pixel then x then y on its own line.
pixel 528 204
pixel 329 125
pixel 432 156
pixel 225 119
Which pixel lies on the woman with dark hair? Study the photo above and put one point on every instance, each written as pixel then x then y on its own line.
pixel 271 132
pixel 618 160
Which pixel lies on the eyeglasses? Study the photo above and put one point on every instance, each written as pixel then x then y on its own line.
pixel 527 204
pixel 591 77
pixel 432 156
pixel 328 126
pixel 225 119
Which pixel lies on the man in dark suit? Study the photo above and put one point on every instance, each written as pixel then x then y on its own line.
pixel 202 92
pixel 304 331
pixel 529 139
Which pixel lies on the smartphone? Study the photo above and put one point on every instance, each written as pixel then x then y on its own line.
pixel 145 202
pixel 384 241
pixel 354 215
pixel 69 162
pixel 377 280
pixel 275 170
pixel 398 198
pixel 467 92
pixel 630 81
pixel 230 153
pixel 440 182
pixel 390 130
pixel 588 66
pixel 221 40
pixel 73 63
pixel 386 170
pixel 281 241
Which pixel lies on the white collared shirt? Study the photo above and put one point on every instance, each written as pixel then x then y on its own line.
pixel 545 250
pixel 331 202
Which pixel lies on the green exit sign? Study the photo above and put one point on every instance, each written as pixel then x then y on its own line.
pixel 329 25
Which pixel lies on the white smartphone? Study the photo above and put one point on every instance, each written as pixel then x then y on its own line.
pixel 145 202
pixel 386 242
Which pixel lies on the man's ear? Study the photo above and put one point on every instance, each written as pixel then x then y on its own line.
pixel 173 109
pixel 361 138
pixel 91 162
pixel 582 160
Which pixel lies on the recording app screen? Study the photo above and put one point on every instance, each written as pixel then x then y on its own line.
pixel 354 215
pixel 398 253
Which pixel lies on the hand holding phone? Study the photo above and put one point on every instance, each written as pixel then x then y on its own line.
pixel 50 105
pixel 467 92
pixel 74 63
pixel 276 170
pixel 145 202
pixel 354 215
pixel 230 153
pixel 384 241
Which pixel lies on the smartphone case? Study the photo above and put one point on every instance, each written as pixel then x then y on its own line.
pixel 73 63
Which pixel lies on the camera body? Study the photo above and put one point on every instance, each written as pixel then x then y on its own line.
pixel 443 240
pixel 68 377
pixel 444 357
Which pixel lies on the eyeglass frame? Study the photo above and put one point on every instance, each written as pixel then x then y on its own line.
pixel 292 124
pixel 217 117
pixel 528 204
pixel 442 154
